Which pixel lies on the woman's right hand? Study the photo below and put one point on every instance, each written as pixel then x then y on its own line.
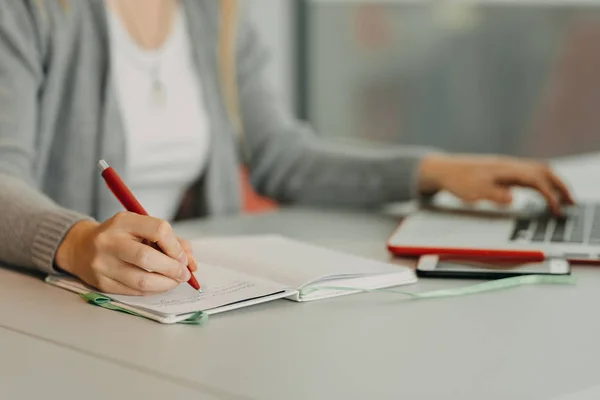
pixel 111 256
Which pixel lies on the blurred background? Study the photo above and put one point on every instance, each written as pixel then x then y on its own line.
pixel 489 76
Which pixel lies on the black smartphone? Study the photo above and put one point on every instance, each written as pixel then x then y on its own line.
pixel 436 267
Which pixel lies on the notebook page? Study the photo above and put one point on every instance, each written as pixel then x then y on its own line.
pixel 283 260
pixel 369 282
pixel 220 288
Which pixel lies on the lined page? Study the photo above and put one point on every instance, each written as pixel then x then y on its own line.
pixel 220 288
pixel 286 261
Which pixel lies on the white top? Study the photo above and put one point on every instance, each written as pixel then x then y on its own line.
pixel 165 121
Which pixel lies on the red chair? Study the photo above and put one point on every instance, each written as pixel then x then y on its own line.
pixel 252 203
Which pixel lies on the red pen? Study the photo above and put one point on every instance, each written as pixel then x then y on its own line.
pixel 124 195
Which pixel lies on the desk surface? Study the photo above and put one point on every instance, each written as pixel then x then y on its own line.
pixel 538 342
pixel 33 368
pixel 530 342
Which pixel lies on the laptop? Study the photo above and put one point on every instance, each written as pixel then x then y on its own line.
pixel 524 231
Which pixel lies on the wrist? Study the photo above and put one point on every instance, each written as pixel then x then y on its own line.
pixel 66 254
pixel 431 173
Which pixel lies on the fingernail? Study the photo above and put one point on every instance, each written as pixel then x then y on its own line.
pixel 183 259
pixel 184 275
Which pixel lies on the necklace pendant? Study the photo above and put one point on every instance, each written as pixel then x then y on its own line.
pixel 158 94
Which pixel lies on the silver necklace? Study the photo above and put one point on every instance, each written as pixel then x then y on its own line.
pixel 158 92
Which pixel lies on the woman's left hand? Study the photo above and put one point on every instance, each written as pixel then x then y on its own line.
pixel 473 178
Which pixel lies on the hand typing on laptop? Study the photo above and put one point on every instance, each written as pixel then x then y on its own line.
pixel 474 178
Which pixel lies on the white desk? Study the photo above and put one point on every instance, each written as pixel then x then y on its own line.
pixel 526 343
pixel 33 368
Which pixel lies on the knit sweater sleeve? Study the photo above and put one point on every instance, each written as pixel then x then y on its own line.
pixel 32 226
pixel 289 162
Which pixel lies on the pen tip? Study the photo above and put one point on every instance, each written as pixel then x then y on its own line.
pixel 102 165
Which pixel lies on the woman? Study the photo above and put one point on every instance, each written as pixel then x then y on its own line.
pixel 164 90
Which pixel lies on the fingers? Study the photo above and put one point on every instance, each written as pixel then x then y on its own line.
pixel 135 281
pixel 535 177
pixel 187 247
pixel 543 186
pixel 154 230
pixel 489 177
pixel 143 256
pixel 561 188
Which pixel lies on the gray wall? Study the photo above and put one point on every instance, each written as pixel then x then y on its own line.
pixel 484 76
pixel 494 77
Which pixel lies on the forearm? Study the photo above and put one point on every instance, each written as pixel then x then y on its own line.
pixel 306 170
pixel 289 163
pixel 31 225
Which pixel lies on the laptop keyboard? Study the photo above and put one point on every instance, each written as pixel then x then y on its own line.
pixel 581 224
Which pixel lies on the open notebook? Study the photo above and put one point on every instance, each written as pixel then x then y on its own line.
pixel 240 271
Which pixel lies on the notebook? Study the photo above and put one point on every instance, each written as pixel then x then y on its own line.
pixel 242 271
pixel 222 290
pixel 306 268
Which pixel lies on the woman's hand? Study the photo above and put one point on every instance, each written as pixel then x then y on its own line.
pixel 112 257
pixel 473 178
